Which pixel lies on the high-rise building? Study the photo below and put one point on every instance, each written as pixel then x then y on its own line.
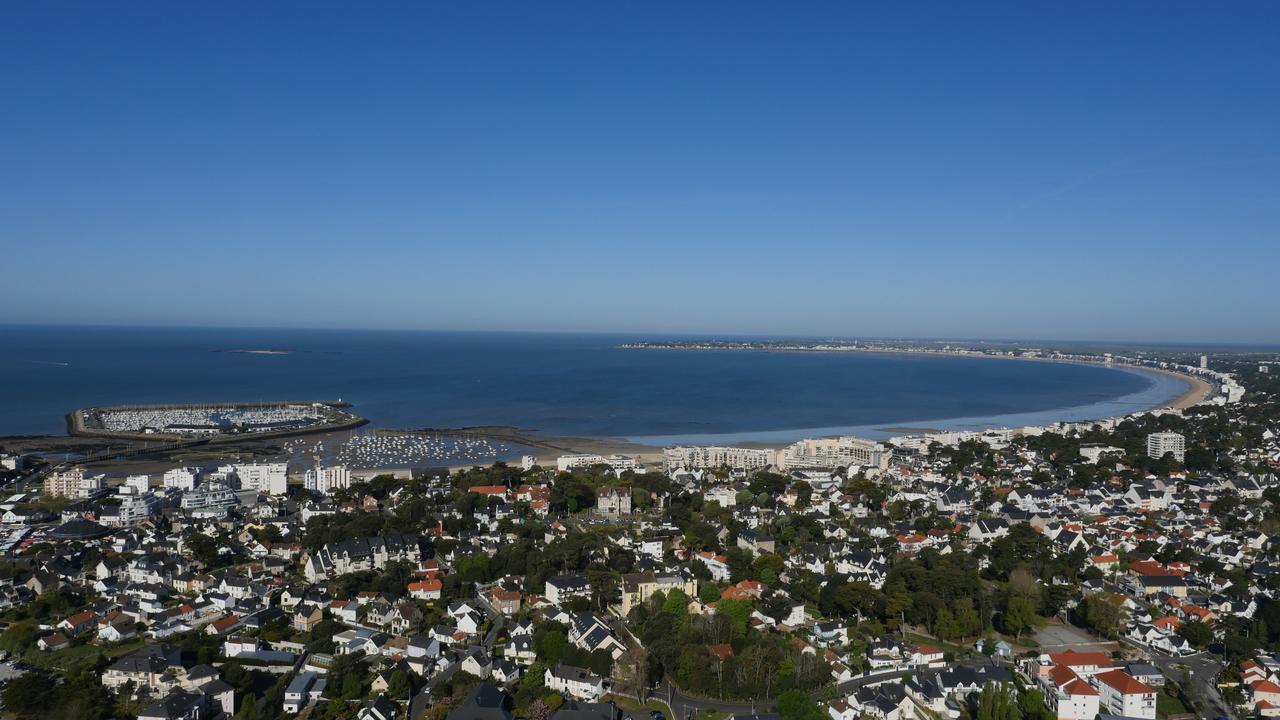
pixel 1204 361
pixel 1158 444
pixel 325 480
pixel 211 499
pixel 64 484
pixel 270 478
pixel 180 479
pixel 134 506
pixel 73 483
pixel 140 483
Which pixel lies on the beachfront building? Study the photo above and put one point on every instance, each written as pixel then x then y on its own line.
pixel 180 479
pixel 710 457
pixel 827 453
pixel 1166 442
pixel 270 478
pixel 325 480
pixel 617 463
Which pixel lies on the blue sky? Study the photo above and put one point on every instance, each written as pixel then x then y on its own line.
pixel 1073 170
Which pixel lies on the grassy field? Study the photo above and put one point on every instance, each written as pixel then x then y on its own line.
pixel 79 657
pixel 1167 704
pixel 651 704
pixel 940 644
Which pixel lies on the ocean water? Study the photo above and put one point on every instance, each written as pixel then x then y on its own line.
pixel 550 383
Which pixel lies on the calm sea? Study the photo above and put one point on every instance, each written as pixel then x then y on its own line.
pixel 556 384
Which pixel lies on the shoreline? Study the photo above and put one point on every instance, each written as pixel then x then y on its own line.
pixel 546 447
pixel 1197 392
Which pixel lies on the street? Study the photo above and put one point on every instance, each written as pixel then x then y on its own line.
pixel 1202 670
pixel 685 706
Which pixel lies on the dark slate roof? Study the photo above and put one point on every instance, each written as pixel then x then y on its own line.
pixel 572 710
pixel 485 702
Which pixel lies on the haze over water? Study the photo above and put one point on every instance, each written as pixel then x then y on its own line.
pixel 556 384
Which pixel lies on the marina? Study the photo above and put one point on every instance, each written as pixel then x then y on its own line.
pixel 212 420
pixel 397 449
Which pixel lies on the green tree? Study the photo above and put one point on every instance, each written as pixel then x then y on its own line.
pixel 708 592
pixel 28 695
pixel 795 705
pixel 1103 612
pixel 18 638
pixel 398 686
pixel 998 702
pixel 553 646
pixel 738 612
pixel 1019 615
pixel 1197 633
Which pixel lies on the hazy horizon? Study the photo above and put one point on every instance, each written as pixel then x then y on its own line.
pixel 1090 172
pixel 692 336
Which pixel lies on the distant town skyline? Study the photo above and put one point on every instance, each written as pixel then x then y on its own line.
pixel 1090 172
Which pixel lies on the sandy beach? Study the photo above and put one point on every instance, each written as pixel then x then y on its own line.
pixel 1197 391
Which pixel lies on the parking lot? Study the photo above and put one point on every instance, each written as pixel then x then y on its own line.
pixel 1057 638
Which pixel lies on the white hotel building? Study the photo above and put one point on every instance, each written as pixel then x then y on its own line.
pixel 828 453
pixel 617 463
pixel 1166 442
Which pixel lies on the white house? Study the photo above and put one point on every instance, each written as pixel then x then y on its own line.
pixel 575 682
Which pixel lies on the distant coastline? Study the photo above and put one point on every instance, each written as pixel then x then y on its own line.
pixel 257 351
pixel 1197 390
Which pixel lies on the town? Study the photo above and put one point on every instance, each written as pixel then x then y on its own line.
pixel 1121 568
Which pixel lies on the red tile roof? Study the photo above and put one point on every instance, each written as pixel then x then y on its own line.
pixel 1071 658
pixel 1125 683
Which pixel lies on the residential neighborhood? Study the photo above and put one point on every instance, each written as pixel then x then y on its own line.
pixel 951 575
